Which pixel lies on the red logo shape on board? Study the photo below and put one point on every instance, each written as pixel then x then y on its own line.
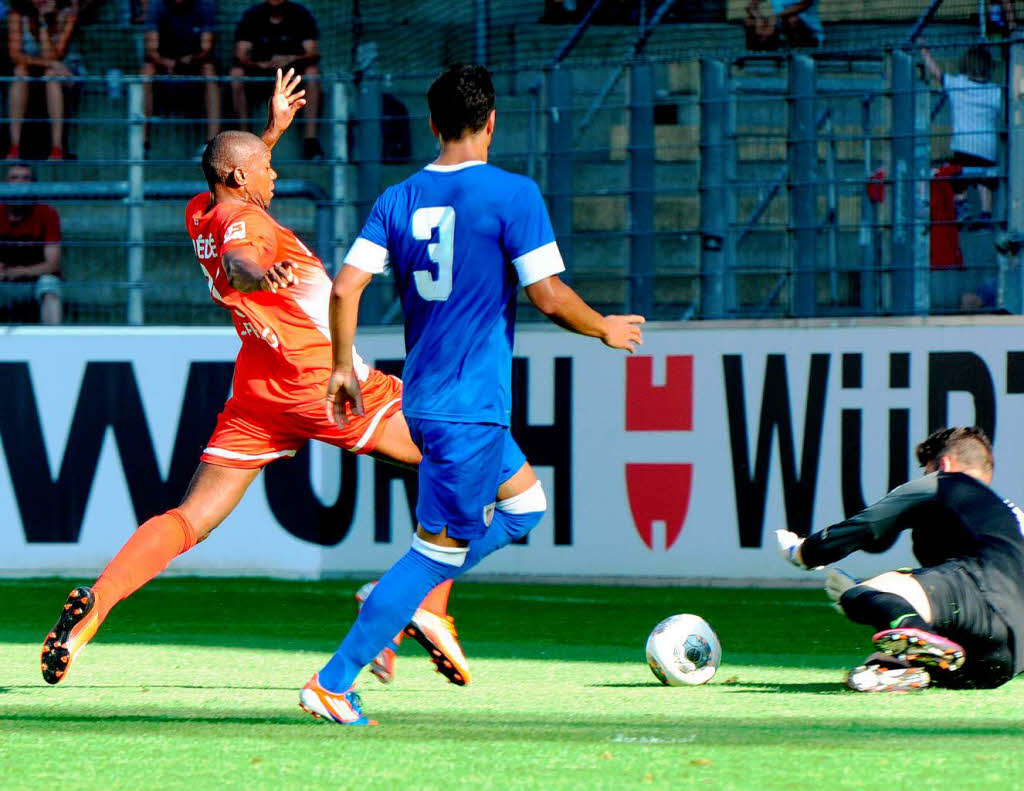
pixel 667 407
pixel 659 493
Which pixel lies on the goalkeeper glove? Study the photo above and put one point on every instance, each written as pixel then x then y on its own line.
pixel 789 547
pixel 838 582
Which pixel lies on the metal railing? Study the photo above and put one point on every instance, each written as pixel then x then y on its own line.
pixel 725 188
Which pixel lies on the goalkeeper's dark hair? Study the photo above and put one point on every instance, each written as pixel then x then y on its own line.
pixel 225 152
pixel 460 100
pixel 969 445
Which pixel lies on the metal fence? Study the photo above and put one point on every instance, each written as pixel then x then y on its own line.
pixel 749 185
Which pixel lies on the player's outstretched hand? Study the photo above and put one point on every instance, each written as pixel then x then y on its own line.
pixel 789 547
pixel 343 389
pixel 286 101
pixel 280 275
pixel 623 332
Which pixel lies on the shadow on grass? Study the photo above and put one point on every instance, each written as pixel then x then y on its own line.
pixel 809 688
pixel 497 727
pixel 740 686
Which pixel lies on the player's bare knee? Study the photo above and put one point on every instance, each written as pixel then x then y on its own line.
pixel 202 520
pixel 520 481
pixel 904 585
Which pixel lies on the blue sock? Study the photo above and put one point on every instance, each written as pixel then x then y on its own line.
pixel 505 528
pixel 384 614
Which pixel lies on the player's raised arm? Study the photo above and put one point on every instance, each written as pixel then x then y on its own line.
pixel 566 308
pixel 343 385
pixel 285 102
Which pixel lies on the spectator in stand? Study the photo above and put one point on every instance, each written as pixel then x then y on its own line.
pixel 29 258
pixel 39 35
pixel 977 108
pixel 1002 18
pixel 786 24
pixel 179 41
pixel 278 34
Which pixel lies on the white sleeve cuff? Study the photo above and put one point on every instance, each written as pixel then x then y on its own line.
pixel 367 256
pixel 539 263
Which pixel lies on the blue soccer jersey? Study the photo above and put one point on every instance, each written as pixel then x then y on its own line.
pixel 460 239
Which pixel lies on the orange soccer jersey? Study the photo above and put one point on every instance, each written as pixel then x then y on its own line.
pixel 285 360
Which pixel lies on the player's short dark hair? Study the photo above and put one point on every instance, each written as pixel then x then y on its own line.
pixel 223 153
pixel 460 100
pixel 976 63
pixel 970 445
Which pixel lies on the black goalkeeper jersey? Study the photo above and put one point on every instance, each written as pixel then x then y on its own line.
pixel 952 517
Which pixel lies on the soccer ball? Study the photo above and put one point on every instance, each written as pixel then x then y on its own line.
pixel 683 650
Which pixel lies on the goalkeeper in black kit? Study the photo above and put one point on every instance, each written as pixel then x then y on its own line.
pixel 958 620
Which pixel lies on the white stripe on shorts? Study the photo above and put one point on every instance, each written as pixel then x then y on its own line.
pixel 378 416
pixel 230 454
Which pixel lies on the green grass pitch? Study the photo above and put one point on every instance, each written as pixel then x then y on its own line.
pixel 192 684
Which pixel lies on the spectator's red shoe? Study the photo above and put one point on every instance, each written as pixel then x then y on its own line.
pixel 56 154
pixel 13 152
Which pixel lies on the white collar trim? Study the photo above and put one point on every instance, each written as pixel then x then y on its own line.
pixel 453 168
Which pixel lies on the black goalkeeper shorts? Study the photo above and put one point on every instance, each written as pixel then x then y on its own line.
pixel 961 612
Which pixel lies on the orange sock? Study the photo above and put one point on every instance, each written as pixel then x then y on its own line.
pixel 155 544
pixel 437 600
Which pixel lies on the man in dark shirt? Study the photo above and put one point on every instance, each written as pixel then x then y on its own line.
pixel 279 34
pixel 29 258
pixel 179 41
pixel 961 614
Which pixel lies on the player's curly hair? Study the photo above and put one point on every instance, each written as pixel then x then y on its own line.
pixel 968 444
pixel 460 100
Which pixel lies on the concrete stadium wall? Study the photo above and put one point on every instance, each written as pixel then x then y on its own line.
pixel 677 462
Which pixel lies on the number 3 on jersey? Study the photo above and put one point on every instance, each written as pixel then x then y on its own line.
pixel 441 252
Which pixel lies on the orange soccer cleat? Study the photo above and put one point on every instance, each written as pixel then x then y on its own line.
pixel 76 626
pixel 437 635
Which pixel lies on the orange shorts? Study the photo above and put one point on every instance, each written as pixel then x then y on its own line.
pixel 251 434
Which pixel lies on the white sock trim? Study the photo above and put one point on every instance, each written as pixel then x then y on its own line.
pixel 529 501
pixel 453 556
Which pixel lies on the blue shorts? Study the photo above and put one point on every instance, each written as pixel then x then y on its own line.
pixel 463 465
